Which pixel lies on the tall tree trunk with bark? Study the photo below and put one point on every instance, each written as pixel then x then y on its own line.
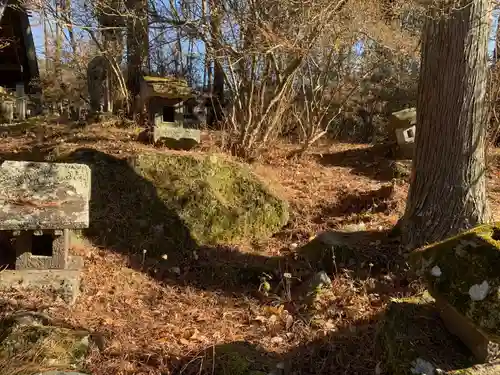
pixel 46 43
pixel 58 47
pixel 448 188
pixel 137 49
pixel 216 115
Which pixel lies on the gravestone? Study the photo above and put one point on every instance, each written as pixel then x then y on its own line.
pixel 463 275
pixel 99 85
pixel 165 99
pixel 402 130
pixel 41 203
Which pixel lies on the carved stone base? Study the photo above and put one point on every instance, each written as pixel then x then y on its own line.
pixel 60 283
pixel 24 245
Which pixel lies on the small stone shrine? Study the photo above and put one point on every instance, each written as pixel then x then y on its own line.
pixel 165 99
pixel 41 203
pixel 402 128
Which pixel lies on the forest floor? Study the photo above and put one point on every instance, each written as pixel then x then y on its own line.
pixel 175 326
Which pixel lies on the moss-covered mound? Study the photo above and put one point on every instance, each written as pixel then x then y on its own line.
pixel 465 271
pixel 30 344
pixel 219 201
pixel 170 203
pixel 412 332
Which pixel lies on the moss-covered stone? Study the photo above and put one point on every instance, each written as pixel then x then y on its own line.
pixel 465 271
pixel 410 330
pixel 30 343
pixel 167 87
pixel 219 201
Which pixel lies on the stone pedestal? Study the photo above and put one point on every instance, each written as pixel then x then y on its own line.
pixel 40 204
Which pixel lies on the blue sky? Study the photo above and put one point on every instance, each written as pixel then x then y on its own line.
pixel 37 30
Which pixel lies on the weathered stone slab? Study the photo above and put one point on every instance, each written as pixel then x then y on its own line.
pixel 176 137
pixel 463 274
pixel 44 195
pixel 165 87
pixel 61 283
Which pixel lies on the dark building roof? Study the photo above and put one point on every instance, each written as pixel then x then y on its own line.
pixel 18 61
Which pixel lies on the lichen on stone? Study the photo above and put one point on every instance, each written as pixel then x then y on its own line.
pixel 422 367
pixel 478 292
pixel 436 271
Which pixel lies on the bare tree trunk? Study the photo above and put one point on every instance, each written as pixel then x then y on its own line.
pixel 448 188
pixel 216 114
pixel 46 42
pixel 137 49
pixel 68 18
pixel 180 55
pixel 58 51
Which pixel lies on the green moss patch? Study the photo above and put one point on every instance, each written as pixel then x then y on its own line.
pixel 165 203
pixel 454 266
pixel 219 201
pixel 411 329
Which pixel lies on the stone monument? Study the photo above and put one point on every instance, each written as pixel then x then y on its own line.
pixel 99 85
pixel 164 98
pixel 462 275
pixel 454 327
pixel 402 130
pixel 41 203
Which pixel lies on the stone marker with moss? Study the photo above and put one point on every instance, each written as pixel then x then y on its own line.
pixel 218 200
pixel 463 275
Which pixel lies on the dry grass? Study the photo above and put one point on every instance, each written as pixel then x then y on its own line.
pixel 173 323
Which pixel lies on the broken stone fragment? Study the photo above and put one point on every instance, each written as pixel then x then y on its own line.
pixel 466 288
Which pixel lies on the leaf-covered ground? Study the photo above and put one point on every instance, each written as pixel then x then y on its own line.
pixel 205 315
